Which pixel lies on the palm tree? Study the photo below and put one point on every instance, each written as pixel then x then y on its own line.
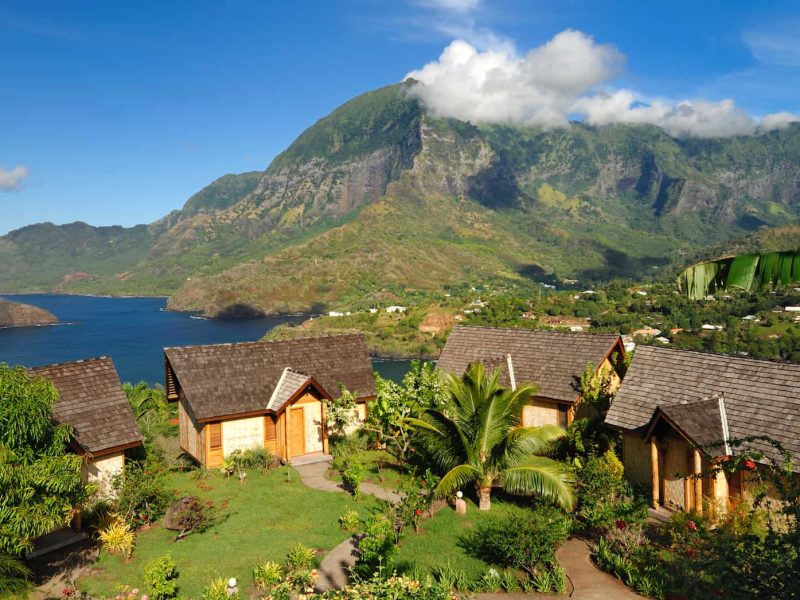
pixel 477 437
pixel 148 404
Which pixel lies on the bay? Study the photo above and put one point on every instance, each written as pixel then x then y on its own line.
pixel 133 332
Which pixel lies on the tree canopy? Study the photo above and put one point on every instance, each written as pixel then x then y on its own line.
pixel 40 477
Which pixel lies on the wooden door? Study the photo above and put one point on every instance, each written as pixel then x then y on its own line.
pixel 214 457
pixel 297 432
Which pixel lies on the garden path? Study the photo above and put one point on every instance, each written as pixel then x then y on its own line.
pixel 587 581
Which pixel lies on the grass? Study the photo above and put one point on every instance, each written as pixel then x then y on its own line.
pixel 441 539
pixel 260 519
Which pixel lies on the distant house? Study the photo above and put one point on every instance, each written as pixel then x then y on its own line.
pixel 676 410
pixel 263 394
pixel 92 401
pixel 647 332
pixel 396 309
pixel 553 361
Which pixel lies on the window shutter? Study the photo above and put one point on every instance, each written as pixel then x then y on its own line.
pixel 215 436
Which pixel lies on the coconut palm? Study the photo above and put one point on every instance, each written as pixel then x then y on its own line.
pixel 148 404
pixel 477 437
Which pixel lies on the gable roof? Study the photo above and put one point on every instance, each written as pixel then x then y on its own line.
pixel 288 385
pixel 552 360
pixel 92 401
pixel 228 379
pixel 761 397
pixel 704 422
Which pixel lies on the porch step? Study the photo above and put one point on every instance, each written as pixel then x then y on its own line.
pixel 55 541
pixel 659 515
pixel 310 459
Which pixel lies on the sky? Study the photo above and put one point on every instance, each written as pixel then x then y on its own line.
pixel 117 112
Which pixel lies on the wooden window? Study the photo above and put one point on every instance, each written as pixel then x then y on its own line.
pixel 270 433
pixel 215 436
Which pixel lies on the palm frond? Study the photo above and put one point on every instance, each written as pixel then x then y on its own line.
pixel 456 478
pixel 541 477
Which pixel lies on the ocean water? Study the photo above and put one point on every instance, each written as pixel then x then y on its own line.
pixel 132 331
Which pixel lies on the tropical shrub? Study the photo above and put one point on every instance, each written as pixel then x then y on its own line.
pixel 161 577
pixel 196 517
pixel 40 477
pixel 141 492
pixel 300 558
pixel 349 521
pixel 353 475
pixel 396 588
pixel 117 537
pixel 218 590
pixel 14 577
pixel 525 540
pixel 476 437
pixel 376 546
pixel 149 406
pixel 267 575
pixel 256 458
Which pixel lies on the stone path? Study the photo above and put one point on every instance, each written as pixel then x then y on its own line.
pixel 585 580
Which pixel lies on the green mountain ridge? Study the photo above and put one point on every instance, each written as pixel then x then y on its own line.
pixel 379 200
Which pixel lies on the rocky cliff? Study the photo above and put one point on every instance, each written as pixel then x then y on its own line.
pixel 16 314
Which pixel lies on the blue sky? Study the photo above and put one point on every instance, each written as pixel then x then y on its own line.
pixel 115 113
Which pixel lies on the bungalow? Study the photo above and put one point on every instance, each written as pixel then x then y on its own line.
pixel 677 410
pixel 553 361
pixel 263 394
pixel 92 401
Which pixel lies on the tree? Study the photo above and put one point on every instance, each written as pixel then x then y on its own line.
pixel 477 437
pixel 390 415
pixel 40 478
pixel 148 404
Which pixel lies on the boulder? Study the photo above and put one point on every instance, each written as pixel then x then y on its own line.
pixel 174 514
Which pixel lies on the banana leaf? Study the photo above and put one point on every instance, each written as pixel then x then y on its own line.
pixel 745 272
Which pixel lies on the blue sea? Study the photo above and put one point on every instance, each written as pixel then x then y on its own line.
pixel 133 332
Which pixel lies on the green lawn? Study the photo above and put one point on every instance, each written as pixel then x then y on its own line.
pixel 388 476
pixel 440 540
pixel 260 519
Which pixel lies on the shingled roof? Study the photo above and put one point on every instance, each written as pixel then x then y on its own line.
pixel 554 361
pixel 92 401
pixel 703 421
pixel 761 397
pixel 228 379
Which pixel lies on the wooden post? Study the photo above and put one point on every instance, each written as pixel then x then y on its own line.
pixel 287 418
pixel 654 469
pixel 324 428
pixel 687 493
pixel 698 481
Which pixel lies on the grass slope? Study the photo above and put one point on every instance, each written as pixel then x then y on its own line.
pixel 261 519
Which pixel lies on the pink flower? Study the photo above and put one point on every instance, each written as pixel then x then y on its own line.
pixel 691 526
pixel 750 464
pixel 418 512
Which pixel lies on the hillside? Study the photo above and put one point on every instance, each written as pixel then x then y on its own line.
pixel 380 200
pixel 17 314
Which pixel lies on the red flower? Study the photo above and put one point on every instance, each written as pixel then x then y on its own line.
pixel 423 483
pixel 418 512
pixel 691 526
pixel 621 524
pixel 691 553
pixel 750 464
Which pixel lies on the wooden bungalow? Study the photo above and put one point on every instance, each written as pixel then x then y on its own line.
pixel 92 401
pixel 677 410
pixel 553 361
pixel 264 394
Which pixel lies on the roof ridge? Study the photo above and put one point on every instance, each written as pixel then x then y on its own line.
pixel 266 342
pixel 720 355
pixel 538 331
pixel 70 362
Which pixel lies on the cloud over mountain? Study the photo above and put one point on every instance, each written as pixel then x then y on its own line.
pixel 11 179
pixel 568 77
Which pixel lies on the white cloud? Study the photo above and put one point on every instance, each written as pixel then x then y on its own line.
pixel 461 6
pixel 567 77
pixel 11 179
pixel 777 44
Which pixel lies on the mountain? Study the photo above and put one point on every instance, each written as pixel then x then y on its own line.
pixel 380 200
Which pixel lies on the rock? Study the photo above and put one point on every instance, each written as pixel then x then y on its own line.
pixel 175 512
pixel 16 314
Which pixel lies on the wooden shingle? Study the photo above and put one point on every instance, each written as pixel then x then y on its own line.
pixel 92 401
pixel 761 397
pixel 554 361
pixel 228 379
